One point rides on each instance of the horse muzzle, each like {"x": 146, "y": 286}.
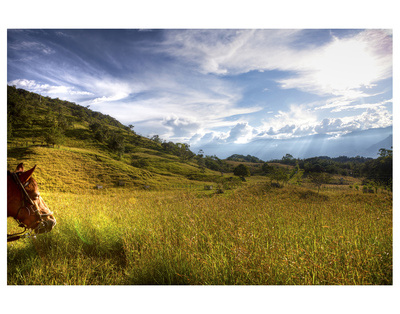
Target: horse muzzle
{"x": 45, "y": 226}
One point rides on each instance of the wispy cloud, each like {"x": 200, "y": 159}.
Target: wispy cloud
{"x": 234, "y": 51}
{"x": 198, "y": 85}
{"x": 32, "y": 46}
{"x": 46, "y": 89}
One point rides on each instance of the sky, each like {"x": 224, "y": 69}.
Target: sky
{"x": 211, "y": 87}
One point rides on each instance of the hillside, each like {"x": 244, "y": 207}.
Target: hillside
{"x": 76, "y": 148}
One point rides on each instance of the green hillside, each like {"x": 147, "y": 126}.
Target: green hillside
{"x": 76, "y": 148}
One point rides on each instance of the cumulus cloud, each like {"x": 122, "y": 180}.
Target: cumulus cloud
{"x": 289, "y": 124}
{"x": 328, "y": 126}
{"x": 240, "y": 133}
{"x": 378, "y": 117}
{"x": 298, "y": 116}
{"x": 181, "y": 127}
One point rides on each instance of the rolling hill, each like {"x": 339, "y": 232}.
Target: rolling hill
{"x": 77, "y": 149}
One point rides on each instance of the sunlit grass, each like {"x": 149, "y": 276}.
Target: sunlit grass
{"x": 252, "y": 236}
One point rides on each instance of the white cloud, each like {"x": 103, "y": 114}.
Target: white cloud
{"x": 33, "y": 46}
{"x": 340, "y": 67}
{"x": 174, "y": 106}
{"x": 345, "y": 65}
{"x": 241, "y": 133}
{"x": 329, "y": 126}
{"x": 378, "y": 117}
{"x": 373, "y": 117}
{"x": 361, "y": 106}
{"x": 114, "y": 97}
{"x": 299, "y": 116}
{"x": 46, "y": 89}
{"x": 213, "y": 137}
{"x": 234, "y": 51}
{"x": 180, "y": 128}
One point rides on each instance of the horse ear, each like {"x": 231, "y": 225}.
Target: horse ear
{"x": 20, "y": 168}
{"x": 25, "y": 176}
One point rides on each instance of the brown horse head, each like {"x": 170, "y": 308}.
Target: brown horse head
{"x": 24, "y": 202}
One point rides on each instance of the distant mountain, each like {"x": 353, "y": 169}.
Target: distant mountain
{"x": 386, "y": 143}
{"x": 361, "y": 143}
{"x": 242, "y": 158}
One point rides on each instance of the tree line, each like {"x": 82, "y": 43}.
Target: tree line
{"x": 320, "y": 170}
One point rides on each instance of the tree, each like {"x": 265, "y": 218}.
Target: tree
{"x": 53, "y": 136}
{"x": 116, "y": 143}
{"x": 279, "y": 174}
{"x": 267, "y": 168}
{"x": 319, "y": 178}
{"x": 202, "y": 164}
{"x": 241, "y": 171}
{"x": 169, "y": 147}
{"x": 288, "y": 159}
{"x": 184, "y": 152}
{"x": 380, "y": 170}
{"x": 385, "y": 152}
{"x": 214, "y": 163}
{"x": 156, "y": 138}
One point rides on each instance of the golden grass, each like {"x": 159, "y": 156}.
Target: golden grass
{"x": 255, "y": 235}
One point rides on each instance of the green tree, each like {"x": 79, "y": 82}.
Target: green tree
{"x": 288, "y": 159}
{"x": 266, "y": 168}
{"x": 380, "y": 170}
{"x": 116, "y": 143}
{"x": 53, "y": 136}
{"x": 385, "y": 152}
{"x": 320, "y": 178}
{"x": 156, "y": 138}
{"x": 184, "y": 152}
{"x": 280, "y": 175}
{"x": 241, "y": 171}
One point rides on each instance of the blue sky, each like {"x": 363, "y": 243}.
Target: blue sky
{"x": 214, "y": 86}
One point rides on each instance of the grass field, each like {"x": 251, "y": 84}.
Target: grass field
{"x": 253, "y": 235}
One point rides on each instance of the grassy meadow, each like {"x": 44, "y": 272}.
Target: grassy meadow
{"x": 252, "y": 235}
{"x": 153, "y": 222}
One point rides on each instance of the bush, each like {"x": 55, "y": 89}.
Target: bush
{"x": 241, "y": 171}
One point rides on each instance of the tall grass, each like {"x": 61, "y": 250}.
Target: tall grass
{"x": 252, "y": 236}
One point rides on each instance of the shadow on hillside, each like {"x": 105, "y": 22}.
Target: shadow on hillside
{"x": 79, "y": 134}
{"x": 20, "y": 153}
